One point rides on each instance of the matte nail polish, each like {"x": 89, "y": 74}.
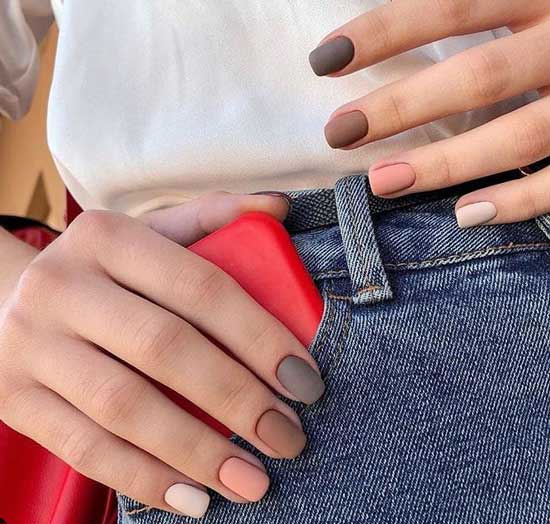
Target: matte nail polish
{"x": 279, "y": 194}
{"x": 475, "y": 214}
{"x": 300, "y": 379}
{"x": 281, "y": 434}
{"x": 346, "y": 129}
{"x": 390, "y": 179}
{"x": 332, "y": 56}
{"x": 244, "y": 479}
{"x": 186, "y": 499}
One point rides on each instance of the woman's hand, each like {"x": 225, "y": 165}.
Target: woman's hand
{"x": 112, "y": 282}
{"x": 475, "y": 78}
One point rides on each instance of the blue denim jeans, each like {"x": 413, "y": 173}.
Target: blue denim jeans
{"x": 434, "y": 346}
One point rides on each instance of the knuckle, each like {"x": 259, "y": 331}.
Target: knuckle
{"x": 190, "y": 452}
{"x": 379, "y": 27}
{"x": 13, "y": 396}
{"x": 201, "y": 288}
{"x": 117, "y": 398}
{"x": 399, "y": 110}
{"x": 41, "y": 282}
{"x": 93, "y": 224}
{"x": 239, "y": 395}
{"x": 79, "y": 450}
{"x": 530, "y": 139}
{"x": 456, "y": 13}
{"x": 487, "y": 73}
{"x": 158, "y": 341}
{"x": 529, "y": 203}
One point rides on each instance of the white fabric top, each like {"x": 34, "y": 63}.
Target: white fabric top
{"x": 157, "y": 102}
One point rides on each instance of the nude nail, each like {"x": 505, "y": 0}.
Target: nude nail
{"x": 475, "y": 214}
{"x": 186, "y": 499}
{"x": 281, "y": 434}
{"x": 332, "y": 56}
{"x": 300, "y": 379}
{"x": 244, "y": 479}
{"x": 390, "y": 179}
{"x": 346, "y": 129}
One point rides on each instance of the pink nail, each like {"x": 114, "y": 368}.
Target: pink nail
{"x": 386, "y": 180}
{"x": 244, "y": 479}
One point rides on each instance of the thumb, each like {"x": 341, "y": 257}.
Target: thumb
{"x": 197, "y": 218}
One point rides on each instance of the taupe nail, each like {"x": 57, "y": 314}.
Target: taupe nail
{"x": 300, "y": 379}
{"x": 281, "y": 434}
{"x": 332, "y": 56}
{"x": 346, "y": 129}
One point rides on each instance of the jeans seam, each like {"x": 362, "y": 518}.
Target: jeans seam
{"x": 468, "y": 255}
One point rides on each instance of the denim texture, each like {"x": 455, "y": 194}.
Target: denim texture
{"x": 435, "y": 350}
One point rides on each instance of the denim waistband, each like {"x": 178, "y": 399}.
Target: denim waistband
{"x": 371, "y": 236}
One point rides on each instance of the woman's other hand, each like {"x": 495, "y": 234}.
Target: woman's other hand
{"x": 478, "y": 77}
{"x": 120, "y": 284}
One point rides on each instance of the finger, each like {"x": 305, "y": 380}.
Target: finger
{"x": 188, "y": 222}
{"x": 475, "y": 78}
{"x": 393, "y": 28}
{"x": 513, "y": 201}
{"x": 515, "y": 139}
{"x": 129, "y": 406}
{"x": 209, "y": 299}
{"x": 42, "y": 415}
{"x": 174, "y": 353}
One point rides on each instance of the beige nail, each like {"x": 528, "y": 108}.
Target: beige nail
{"x": 475, "y": 214}
{"x": 187, "y": 499}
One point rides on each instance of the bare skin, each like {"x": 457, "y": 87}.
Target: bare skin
{"x": 129, "y": 287}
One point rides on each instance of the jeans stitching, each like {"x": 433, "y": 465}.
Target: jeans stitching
{"x": 468, "y": 255}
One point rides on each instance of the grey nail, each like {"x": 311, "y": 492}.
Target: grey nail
{"x": 300, "y": 379}
{"x": 275, "y": 194}
{"x": 332, "y": 56}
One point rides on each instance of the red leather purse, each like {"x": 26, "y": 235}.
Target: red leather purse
{"x": 38, "y": 488}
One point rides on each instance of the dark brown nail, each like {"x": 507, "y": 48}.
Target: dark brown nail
{"x": 332, "y": 56}
{"x": 300, "y": 379}
{"x": 275, "y": 194}
{"x": 281, "y": 434}
{"x": 346, "y": 129}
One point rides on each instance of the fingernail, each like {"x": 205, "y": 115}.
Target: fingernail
{"x": 300, "y": 379}
{"x": 475, "y": 214}
{"x": 391, "y": 179}
{"x": 332, "y": 56}
{"x": 244, "y": 479}
{"x": 346, "y": 129}
{"x": 187, "y": 499}
{"x": 281, "y": 434}
{"x": 275, "y": 194}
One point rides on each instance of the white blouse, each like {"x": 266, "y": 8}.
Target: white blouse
{"x": 154, "y": 103}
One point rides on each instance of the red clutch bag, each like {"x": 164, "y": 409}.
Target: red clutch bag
{"x": 38, "y": 488}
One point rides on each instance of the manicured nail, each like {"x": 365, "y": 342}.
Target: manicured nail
{"x": 275, "y": 194}
{"x": 332, "y": 56}
{"x": 281, "y": 434}
{"x": 475, "y": 214}
{"x": 300, "y": 379}
{"x": 346, "y": 129}
{"x": 244, "y": 479}
{"x": 187, "y": 499}
{"x": 386, "y": 180}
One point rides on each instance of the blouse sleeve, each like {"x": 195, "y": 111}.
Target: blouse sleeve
{"x": 19, "y": 54}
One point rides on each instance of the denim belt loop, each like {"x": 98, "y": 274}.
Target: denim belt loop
{"x": 544, "y": 224}
{"x": 368, "y": 277}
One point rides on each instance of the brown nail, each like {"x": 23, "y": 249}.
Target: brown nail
{"x": 281, "y": 434}
{"x": 300, "y": 379}
{"x": 275, "y": 194}
{"x": 346, "y": 129}
{"x": 332, "y": 56}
